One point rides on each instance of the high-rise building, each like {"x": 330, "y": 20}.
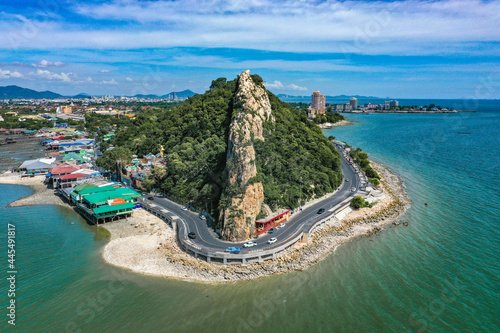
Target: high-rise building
{"x": 354, "y": 103}
{"x": 318, "y": 102}
{"x": 391, "y": 104}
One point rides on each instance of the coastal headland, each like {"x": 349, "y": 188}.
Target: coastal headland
{"x": 145, "y": 244}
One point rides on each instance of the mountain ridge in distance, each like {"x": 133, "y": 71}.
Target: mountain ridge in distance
{"x": 16, "y": 92}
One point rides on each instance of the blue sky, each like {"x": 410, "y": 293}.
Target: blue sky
{"x": 398, "y": 49}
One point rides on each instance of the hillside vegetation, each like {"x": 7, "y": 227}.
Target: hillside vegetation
{"x": 294, "y": 156}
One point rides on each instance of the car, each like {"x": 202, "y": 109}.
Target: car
{"x": 272, "y": 230}
{"x": 282, "y": 225}
{"x": 203, "y": 217}
{"x": 272, "y": 240}
{"x": 151, "y": 198}
{"x": 347, "y": 179}
{"x": 321, "y": 211}
{"x": 249, "y": 244}
{"x": 160, "y": 195}
{"x": 353, "y": 189}
{"x": 184, "y": 208}
{"x": 192, "y": 235}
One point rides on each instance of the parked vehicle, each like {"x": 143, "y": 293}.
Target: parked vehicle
{"x": 151, "y": 198}
{"x": 272, "y": 240}
{"x": 353, "y": 189}
{"x": 272, "y": 230}
{"x": 321, "y": 211}
{"x": 249, "y": 244}
{"x": 192, "y": 235}
{"x": 203, "y": 217}
{"x": 184, "y": 208}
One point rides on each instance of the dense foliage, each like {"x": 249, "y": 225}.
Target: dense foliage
{"x": 358, "y": 202}
{"x": 361, "y": 159}
{"x": 11, "y": 122}
{"x": 111, "y": 157}
{"x": 294, "y": 156}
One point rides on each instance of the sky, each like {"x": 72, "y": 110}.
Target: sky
{"x": 396, "y": 49}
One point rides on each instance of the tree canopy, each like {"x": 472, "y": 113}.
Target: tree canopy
{"x": 295, "y": 155}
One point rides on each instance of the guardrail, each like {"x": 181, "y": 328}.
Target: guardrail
{"x": 245, "y": 256}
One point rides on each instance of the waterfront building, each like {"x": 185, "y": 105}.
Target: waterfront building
{"x": 391, "y": 104}
{"x": 318, "y": 104}
{"x": 354, "y": 103}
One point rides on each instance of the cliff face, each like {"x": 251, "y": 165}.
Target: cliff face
{"x": 244, "y": 201}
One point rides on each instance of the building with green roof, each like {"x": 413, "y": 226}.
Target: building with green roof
{"x": 106, "y": 203}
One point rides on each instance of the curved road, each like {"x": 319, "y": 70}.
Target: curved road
{"x": 206, "y": 238}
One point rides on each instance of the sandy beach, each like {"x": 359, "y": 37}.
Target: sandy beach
{"x": 147, "y": 245}
{"x": 337, "y": 124}
{"x": 41, "y": 196}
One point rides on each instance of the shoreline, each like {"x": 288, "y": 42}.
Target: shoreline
{"x": 147, "y": 245}
{"x": 41, "y": 194}
{"x": 344, "y": 122}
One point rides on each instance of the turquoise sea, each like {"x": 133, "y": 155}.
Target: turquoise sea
{"x": 439, "y": 274}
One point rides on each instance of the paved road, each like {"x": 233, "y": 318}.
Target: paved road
{"x": 206, "y": 238}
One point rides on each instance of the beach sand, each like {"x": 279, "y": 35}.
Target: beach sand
{"x": 337, "y": 124}
{"x": 41, "y": 196}
{"x": 147, "y": 245}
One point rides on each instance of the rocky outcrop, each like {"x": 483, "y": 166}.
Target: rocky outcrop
{"x": 243, "y": 199}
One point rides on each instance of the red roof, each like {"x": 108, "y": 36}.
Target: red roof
{"x": 64, "y": 168}
{"x": 264, "y": 222}
{"x": 73, "y": 175}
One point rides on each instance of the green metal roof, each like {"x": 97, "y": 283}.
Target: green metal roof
{"x": 96, "y": 198}
{"x": 96, "y": 189}
{"x": 127, "y": 192}
{"x": 84, "y": 186}
{"x": 124, "y": 193}
{"x": 107, "y": 209}
{"x": 73, "y": 156}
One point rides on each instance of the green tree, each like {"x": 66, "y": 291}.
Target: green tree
{"x": 114, "y": 157}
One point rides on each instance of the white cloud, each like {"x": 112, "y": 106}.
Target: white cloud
{"x": 279, "y": 86}
{"x": 402, "y": 27}
{"x": 109, "y": 82}
{"x": 6, "y": 74}
{"x": 275, "y": 85}
{"x": 129, "y": 79}
{"x": 44, "y": 64}
{"x": 296, "y": 87}
{"x": 48, "y": 75}
{"x": 104, "y": 71}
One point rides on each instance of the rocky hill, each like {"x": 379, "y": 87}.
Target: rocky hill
{"x": 236, "y": 151}
{"x": 251, "y": 109}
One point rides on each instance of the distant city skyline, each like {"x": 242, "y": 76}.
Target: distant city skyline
{"x": 405, "y": 49}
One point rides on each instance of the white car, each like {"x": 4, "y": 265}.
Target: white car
{"x": 272, "y": 240}
{"x": 353, "y": 189}
{"x": 184, "y": 208}
{"x": 249, "y": 244}
{"x": 203, "y": 217}
{"x": 282, "y": 225}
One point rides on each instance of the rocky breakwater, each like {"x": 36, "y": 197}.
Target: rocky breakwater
{"x": 242, "y": 198}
